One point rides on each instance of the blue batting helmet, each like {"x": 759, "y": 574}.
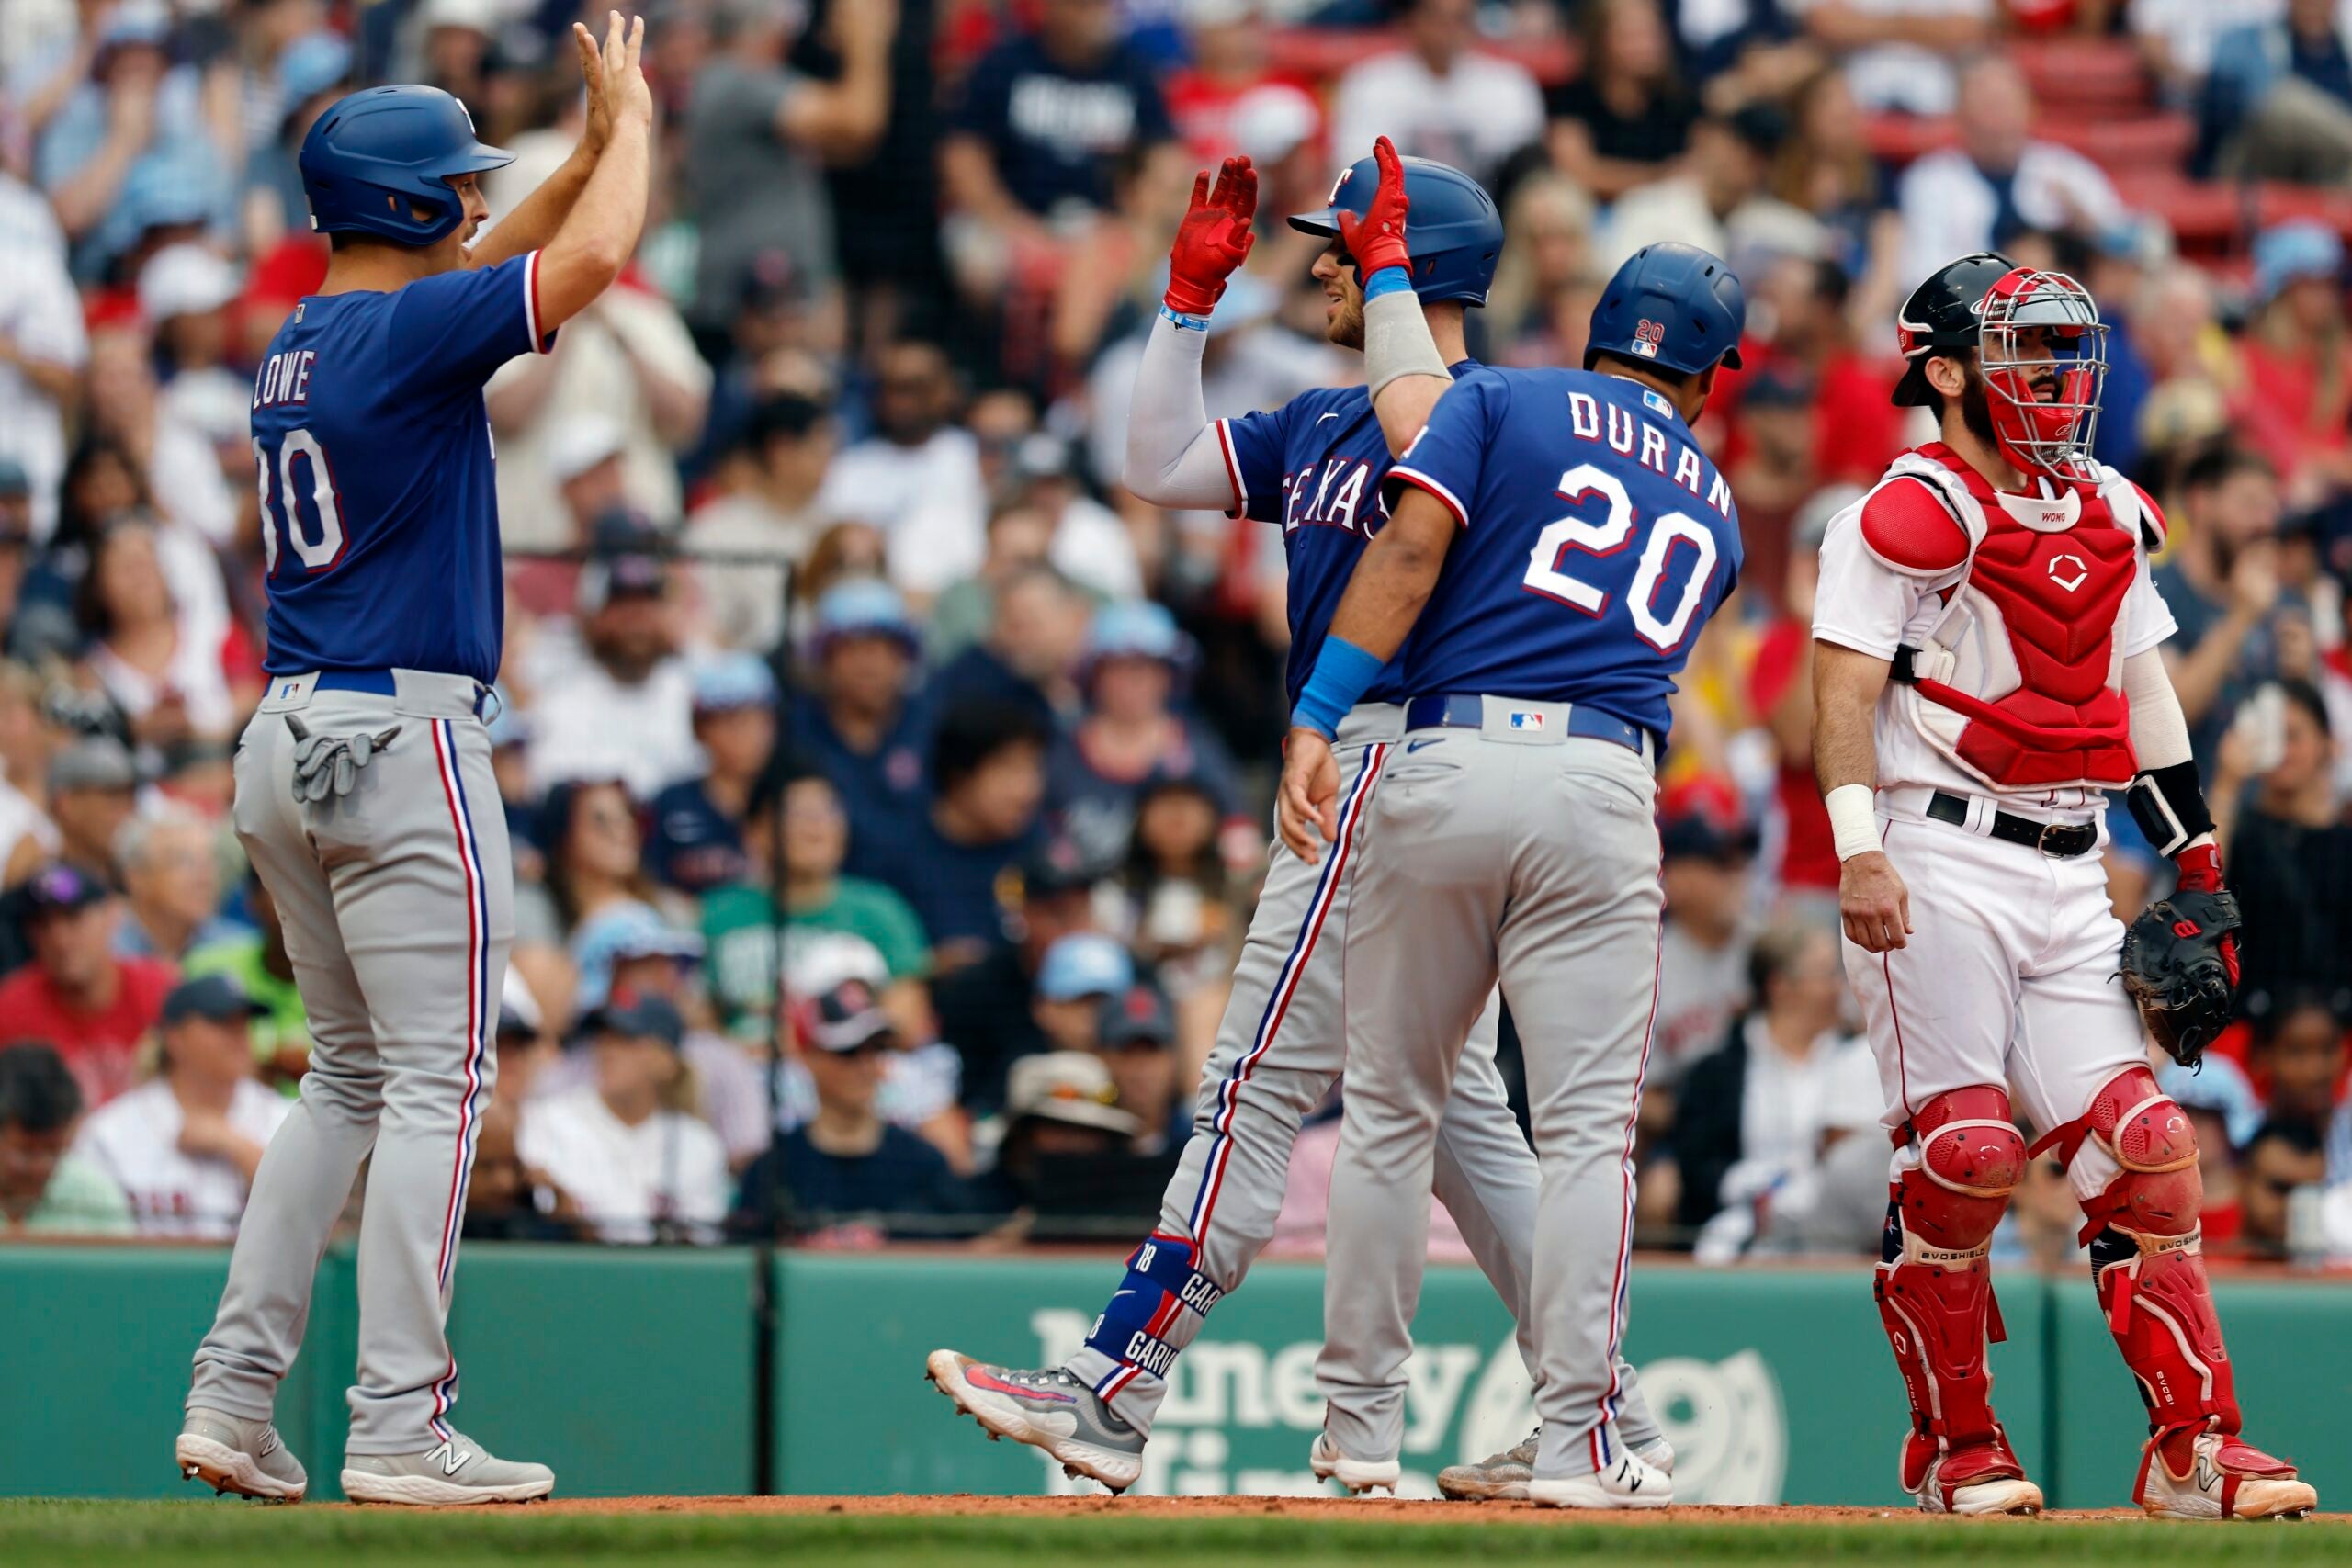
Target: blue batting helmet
{"x": 377, "y": 154}
{"x": 1671, "y": 305}
{"x": 1453, "y": 230}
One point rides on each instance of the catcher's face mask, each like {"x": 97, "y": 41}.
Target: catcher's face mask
{"x": 2043, "y": 350}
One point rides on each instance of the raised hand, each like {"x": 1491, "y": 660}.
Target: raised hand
{"x": 1377, "y": 238}
{"x": 623, "y": 89}
{"x": 1214, "y": 240}
{"x": 599, "y": 126}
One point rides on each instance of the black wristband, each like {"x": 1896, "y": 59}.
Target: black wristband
{"x": 2169, "y": 805}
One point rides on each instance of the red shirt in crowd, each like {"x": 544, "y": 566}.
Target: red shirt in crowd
{"x": 2278, "y": 410}
{"x": 102, "y": 1048}
{"x": 1809, "y": 855}
{"x": 1206, "y": 112}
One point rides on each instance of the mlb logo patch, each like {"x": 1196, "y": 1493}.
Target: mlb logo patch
{"x": 1527, "y": 721}
{"x": 1647, "y": 336}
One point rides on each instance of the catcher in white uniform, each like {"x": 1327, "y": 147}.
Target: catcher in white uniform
{"x": 1986, "y": 666}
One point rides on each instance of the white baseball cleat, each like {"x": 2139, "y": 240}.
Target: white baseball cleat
{"x": 1976, "y": 1478}
{"x": 449, "y": 1474}
{"x": 230, "y": 1454}
{"x": 1358, "y": 1475}
{"x": 1503, "y": 1477}
{"x": 2222, "y": 1477}
{"x": 1631, "y": 1483}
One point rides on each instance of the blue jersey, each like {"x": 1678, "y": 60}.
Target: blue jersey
{"x": 1315, "y": 466}
{"x": 379, "y": 513}
{"x": 1596, "y": 540}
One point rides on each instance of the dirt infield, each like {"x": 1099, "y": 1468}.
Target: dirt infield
{"x": 1366, "y": 1510}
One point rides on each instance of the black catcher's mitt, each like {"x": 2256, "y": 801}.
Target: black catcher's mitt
{"x": 2180, "y": 969}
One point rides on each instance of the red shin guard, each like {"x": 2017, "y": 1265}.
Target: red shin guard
{"x": 1934, "y": 1291}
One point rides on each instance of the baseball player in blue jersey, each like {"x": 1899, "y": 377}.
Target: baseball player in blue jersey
{"x": 1557, "y": 541}
{"x": 1315, "y": 466}
{"x": 364, "y": 793}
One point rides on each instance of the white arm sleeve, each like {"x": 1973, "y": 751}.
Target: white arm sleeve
{"x": 2159, "y": 729}
{"x": 1175, "y": 456}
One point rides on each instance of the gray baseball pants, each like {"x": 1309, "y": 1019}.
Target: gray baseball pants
{"x": 1522, "y": 853}
{"x": 398, "y": 901}
{"x": 1279, "y": 1049}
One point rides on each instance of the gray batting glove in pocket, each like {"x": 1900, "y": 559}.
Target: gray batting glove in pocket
{"x": 327, "y": 765}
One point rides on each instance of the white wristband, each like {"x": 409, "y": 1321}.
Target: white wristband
{"x": 1853, "y": 819}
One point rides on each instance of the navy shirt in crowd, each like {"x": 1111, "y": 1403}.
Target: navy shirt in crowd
{"x": 1057, "y": 131}
{"x": 952, "y": 887}
{"x": 885, "y": 792}
{"x": 694, "y": 846}
{"x": 1098, "y": 811}
{"x": 904, "y": 1175}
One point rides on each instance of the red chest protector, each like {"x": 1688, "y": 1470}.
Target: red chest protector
{"x": 2024, "y": 667}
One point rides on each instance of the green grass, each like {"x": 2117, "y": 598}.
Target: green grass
{"x": 198, "y": 1535}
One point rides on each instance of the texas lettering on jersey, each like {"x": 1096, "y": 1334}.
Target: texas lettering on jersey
{"x": 1315, "y": 466}
{"x": 1339, "y": 493}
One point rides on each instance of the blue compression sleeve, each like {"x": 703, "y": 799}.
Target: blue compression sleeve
{"x": 1342, "y": 673}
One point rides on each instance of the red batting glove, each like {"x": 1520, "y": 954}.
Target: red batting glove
{"x": 2200, "y": 868}
{"x": 1377, "y": 238}
{"x": 1214, "y": 240}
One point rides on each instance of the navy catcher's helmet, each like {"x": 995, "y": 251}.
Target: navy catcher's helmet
{"x": 379, "y": 153}
{"x": 1671, "y": 305}
{"x": 1944, "y": 315}
{"x": 1453, "y": 230}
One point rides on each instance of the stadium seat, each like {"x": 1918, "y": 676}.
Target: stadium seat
{"x": 2129, "y": 150}
{"x": 1899, "y": 138}
{"x": 2279, "y": 203}
{"x": 2082, "y": 78}
{"x": 2206, "y": 217}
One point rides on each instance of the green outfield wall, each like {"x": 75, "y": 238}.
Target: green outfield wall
{"x": 633, "y": 1373}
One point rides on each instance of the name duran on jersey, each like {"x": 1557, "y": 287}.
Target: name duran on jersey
{"x": 1616, "y": 427}
{"x": 1597, "y": 539}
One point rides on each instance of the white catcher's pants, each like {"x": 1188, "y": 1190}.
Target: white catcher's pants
{"x": 2008, "y": 978}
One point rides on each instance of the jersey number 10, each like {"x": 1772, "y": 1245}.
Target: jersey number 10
{"x": 316, "y": 555}
{"x": 1609, "y": 536}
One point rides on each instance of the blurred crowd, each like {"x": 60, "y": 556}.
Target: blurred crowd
{"x": 837, "y": 653}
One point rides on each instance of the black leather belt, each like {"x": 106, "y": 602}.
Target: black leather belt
{"x": 2063, "y": 840}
